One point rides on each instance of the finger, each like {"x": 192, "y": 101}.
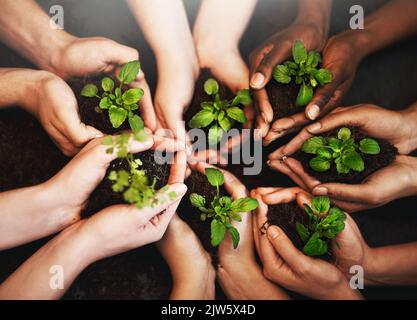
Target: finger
{"x": 250, "y": 116}
{"x": 298, "y": 169}
{"x": 265, "y": 190}
{"x": 293, "y": 146}
{"x": 163, "y": 143}
{"x": 303, "y": 198}
{"x": 346, "y": 192}
{"x": 283, "y": 168}
{"x": 286, "y": 249}
{"x": 116, "y": 53}
{"x": 281, "y": 196}
{"x": 262, "y": 127}
{"x": 263, "y": 72}
{"x": 178, "y": 168}
{"x": 264, "y": 108}
{"x": 325, "y": 97}
{"x": 148, "y": 213}
{"x": 294, "y": 121}
{"x": 147, "y": 109}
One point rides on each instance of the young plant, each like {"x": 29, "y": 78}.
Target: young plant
{"x": 325, "y": 223}
{"x": 303, "y": 69}
{"x": 121, "y": 104}
{"x": 342, "y": 150}
{"x": 133, "y": 183}
{"x": 220, "y": 115}
{"x": 222, "y": 210}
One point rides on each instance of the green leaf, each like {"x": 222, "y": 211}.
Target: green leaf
{"x": 324, "y": 153}
{"x": 302, "y": 232}
{"x": 117, "y": 116}
{"x": 118, "y": 92}
{"x": 105, "y": 103}
{"x": 315, "y": 246}
{"x": 214, "y": 176}
{"x": 132, "y": 95}
{"x": 218, "y": 231}
{"x": 107, "y": 84}
{"x": 201, "y": 120}
{"x": 335, "y": 144}
{"x": 211, "y": 87}
{"x": 312, "y": 145}
{"x": 89, "y": 91}
{"x": 215, "y": 134}
{"x": 244, "y": 205}
{"x": 197, "y": 200}
{"x": 235, "y": 236}
{"x": 369, "y": 146}
{"x": 128, "y": 72}
{"x": 136, "y": 123}
{"x": 341, "y": 168}
{"x": 313, "y": 59}
{"x": 237, "y": 114}
{"x": 108, "y": 140}
{"x": 354, "y": 161}
{"x": 225, "y": 123}
{"x": 299, "y": 52}
{"x": 320, "y": 164}
{"x": 324, "y": 76}
{"x": 320, "y": 204}
{"x": 244, "y": 97}
{"x": 304, "y": 95}
{"x": 344, "y": 134}
{"x": 281, "y": 74}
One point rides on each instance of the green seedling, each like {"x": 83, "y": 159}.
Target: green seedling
{"x": 325, "y": 223}
{"x": 134, "y": 184}
{"x": 121, "y": 104}
{"x": 303, "y": 69}
{"x": 220, "y": 115}
{"x": 341, "y": 150}
{"x": 222, "y": 210}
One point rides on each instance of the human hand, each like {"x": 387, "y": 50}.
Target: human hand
{"x": 286, "y": 265}
{"x": 80, "y": 57}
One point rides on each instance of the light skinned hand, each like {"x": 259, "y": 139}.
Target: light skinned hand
{"x": 286, "y": 265}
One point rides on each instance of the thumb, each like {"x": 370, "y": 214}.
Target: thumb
{"x": 286, "y": 249}
{"x": 116, "y": 53}
{"x": 346, "y": 192}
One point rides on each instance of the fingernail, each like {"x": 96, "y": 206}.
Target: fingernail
{"x": 99, "y": 135}
{"x": 273, "y": 232}
{"x": 257, "y": 80}
{"x": 284, "y": 157}
{"x": 313, "y": 111}
{"x": 180, "y": 189}
{"x": 320, "y": 191}
{"x": 314, "y": 128}
{"x": 269, "y": 162}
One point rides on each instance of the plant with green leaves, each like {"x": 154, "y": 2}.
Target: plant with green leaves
{"x": 220, "y": 115}
{"x": 304, "y": 70}
{"x": 121, "y": 104}
{"x": 325, "y": 223}
{"x": 342, "y": 150}
{"x": 133, "y": 183}
{"x": 221, "y": 210}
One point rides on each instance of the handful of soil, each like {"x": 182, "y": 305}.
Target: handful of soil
{"x": 373, "y": 162}
{"x": 282, "y": 98}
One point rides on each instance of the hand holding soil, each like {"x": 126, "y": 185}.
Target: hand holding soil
{"x": 284, "y": 264}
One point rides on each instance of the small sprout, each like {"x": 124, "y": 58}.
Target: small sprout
{"x": 121, "y": 105}
{"x": 303, "y": 69}
{"x": 343, "y": 151}
{"x": 133, "y": 183}
{"x": 325, "y": 222}
{"x": 222, "y": 210}
{"x": 220, "y": 114}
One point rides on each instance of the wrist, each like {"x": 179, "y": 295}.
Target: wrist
{"x": 317, "y": 14}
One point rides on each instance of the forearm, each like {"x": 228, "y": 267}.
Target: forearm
{"x": 317, "y": 13}
{"x": 392, "y": 265}
{"x": 209, "y": 35}
{"x": 30, "y": 213}
{"x": 61, "y": 259}
{"x": 25, "y": 27}
{"x": 166, "y": 29}
{"x": 391, "y": 23}
{"x": 410, "y": 120}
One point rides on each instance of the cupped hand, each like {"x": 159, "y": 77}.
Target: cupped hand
{"x": 285, "y": 265}
{"x": 274, "y": 51}
{"x": 81, "y": 57}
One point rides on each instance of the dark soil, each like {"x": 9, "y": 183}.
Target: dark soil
{"x": 201, "y": 96}
{"x": 197, "y": 183}
{"x": 372, "y": 162}
{"x": 282, "y": 98}
{"x": 285, "y": 216}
